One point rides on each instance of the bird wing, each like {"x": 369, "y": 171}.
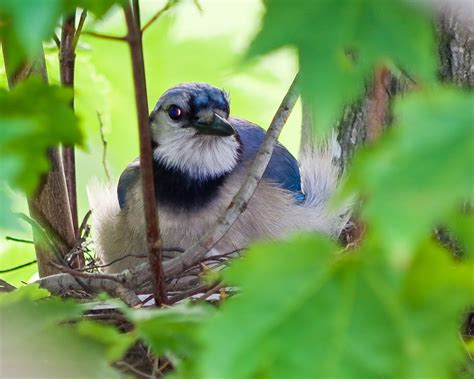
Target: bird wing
{"x": 127, "y": 180}
{"x": 282, "y": 170}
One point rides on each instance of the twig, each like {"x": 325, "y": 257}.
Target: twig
{"x": 155, "y": 256}
{"x": 128, "y": 366}
{"x": 104, "y": 36}
{"x": 57, "y": 41}
{"x": 113, "y": 285}
{"x": 18, "y": 267}
{"x": 114, "y": 261}
{"x": 80, "y": 25}
{"x": 239, "y": 203}
{"x": 104, "y": 146}
{"x": 43, "y": 236}
{"x": 210, "y": 292}
{"x": 83, "y": 225}
{"x": 14, "y": 239}
{"x": 168, "y": 5}
{"x": 6, "y": 287}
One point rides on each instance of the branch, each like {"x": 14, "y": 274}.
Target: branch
{"x": 67, "y": 57}
{"x": 18, "y": 267}
{"x": 167, "y": 6}
{"x": 239, "y": 203}
{"x": 80, "y": 25}
{"x": 104, "y": 146}
{"x": 104, "y": 36}
{"x": 155, "y": 256}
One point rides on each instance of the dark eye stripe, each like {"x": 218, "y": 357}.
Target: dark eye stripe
{"x": 174, "y": 112}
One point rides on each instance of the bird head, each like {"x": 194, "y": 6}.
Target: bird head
{"x": 191, "y": 131}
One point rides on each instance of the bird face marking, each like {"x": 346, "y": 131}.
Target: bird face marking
{"x": 191, "y": 131}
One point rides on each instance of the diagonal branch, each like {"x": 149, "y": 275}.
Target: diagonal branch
{"x": 168, "y": 5}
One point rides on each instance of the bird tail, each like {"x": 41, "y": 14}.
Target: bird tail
{"x": 320, "y": 177}
{"x": 105, "y": 215}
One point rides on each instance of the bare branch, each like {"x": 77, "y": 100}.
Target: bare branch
{"x": 168, "y": 5}
{"x": 80, "y": 25}
{"x": 104, "y": 36}
{"x": 104, "y": 146}
{"x": 6, "y": 287}
{"x": 18, "y": 267}
{"x": 14, "y": 239}
{"x": 154, "y": 245}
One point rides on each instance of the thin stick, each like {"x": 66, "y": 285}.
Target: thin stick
{"x": 239, "y": 203}
{"x": 104, "y": 146}
{"x": 6, "y": 287}
{"x": 104, "y": 36}
{"x": 18, "y": 267}
{"x": 168, "y": 5}
{"x": 155, "y": 255}
{"x": 14, "y": 239}
{"x": 80, "y": 25}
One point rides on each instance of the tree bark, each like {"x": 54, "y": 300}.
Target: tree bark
{"x": 49, "y": 205}
{"x": 456, "y": 47}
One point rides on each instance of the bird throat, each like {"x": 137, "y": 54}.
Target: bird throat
{"x": 179, "y": 190}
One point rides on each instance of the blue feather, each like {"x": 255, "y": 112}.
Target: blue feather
{"x": 282, "y": 170}
{"x": 127, "y": 180}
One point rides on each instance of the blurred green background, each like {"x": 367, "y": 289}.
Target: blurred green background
{"x": 184, "y": 44}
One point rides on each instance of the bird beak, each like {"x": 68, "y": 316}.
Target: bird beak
{"x": 218, "y": 126}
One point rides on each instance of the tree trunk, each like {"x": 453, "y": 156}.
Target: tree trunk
{"x": 49, "y": 205}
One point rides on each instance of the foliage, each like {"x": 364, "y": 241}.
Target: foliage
{"x": 34, "y": 117}
{"x": 310, "y": 312}
{"x": 423, "y": 166}
{"x": 391, "y": 307}
{"x": 33, "y": 344}
{"x": 25, "y": 37}
{"x": 341, "y": 42}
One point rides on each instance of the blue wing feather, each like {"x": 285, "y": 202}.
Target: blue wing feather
{"x": 127, "y": 180}
{"x": 282, "y": 170}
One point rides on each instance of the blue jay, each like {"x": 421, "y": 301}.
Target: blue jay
{"x": 201, "y": 156}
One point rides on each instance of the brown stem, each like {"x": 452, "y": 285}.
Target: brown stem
{"x": 167, "y": 6}
{"x": 134, "y": 38}
{"x": 67, "y": 57}
{"x": 104, "y": 36}
{"x": 380, "y": 103}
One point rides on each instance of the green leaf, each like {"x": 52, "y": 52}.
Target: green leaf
{"x": 422, "y": 170}
{"x": 116, "y": 343}
{"x": 33, "y": 344}
{"x": 34, "y": 117}
{"x": 341, "y": 42}
{"x": 98, "y": 8}
{"x": 171, "y": 330}
{"x": 306, "y": 312}
{"x": 26, "y": 24}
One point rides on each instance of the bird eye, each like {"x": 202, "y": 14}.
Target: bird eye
{"x": 174, "y": 112}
